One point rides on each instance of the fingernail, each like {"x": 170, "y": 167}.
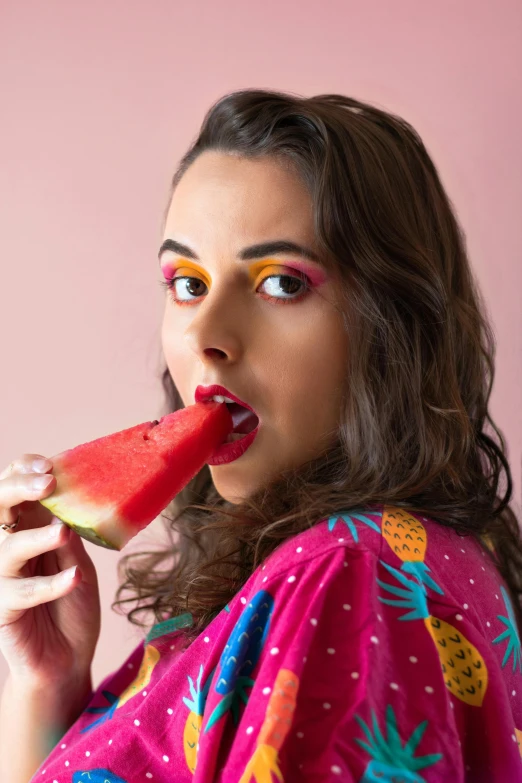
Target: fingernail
{"x": 68, "y": 576}
{"x": 41, "y": 482}
{"x": 41, "y": 465}
{"x": 55, "y": 529}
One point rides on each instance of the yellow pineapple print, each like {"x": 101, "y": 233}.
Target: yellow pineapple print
{"x": 196, "y": 705}
{"x": 407, "y": 537}
{"x": 149, "y": 661}
{"x": 464, "y": 668}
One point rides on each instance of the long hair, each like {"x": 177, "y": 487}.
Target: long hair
{"x": 414, "y": 429}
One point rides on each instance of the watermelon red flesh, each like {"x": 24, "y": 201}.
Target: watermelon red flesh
{"x": 111, "y": 488}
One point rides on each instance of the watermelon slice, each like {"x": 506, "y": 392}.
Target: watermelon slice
{"x": 111, "y": 488}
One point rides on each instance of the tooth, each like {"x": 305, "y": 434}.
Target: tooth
{"x": 218, "y": 398}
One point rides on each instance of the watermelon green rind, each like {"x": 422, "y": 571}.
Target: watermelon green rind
{"x": 111, "y": 488}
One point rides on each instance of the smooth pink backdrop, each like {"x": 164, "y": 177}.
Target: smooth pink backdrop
{"x": 99, "y": 100}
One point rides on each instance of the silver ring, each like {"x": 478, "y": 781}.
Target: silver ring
{"x": 12, "y": 526}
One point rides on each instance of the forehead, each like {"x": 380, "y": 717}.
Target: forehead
{"x": 255, "y": 199}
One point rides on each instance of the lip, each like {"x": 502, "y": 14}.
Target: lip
{"x": 228, "y": 452}
{"x": 205, "y": 392}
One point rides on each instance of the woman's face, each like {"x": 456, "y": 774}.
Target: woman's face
{"x": 251, "y": 325}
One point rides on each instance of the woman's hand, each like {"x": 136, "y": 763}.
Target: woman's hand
{"x": 49, "y": 620}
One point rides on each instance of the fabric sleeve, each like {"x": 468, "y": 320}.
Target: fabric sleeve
{"x": 340, "y": 690}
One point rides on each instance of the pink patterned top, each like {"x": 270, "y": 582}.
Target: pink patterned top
{"x": 375, "y": 646}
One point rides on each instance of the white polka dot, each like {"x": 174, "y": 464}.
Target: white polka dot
{"x": 130, "y": 665}
{"x": 347, "y": 607}
{"x": 110, "y": 742}
{"x": 394, "y": 686}
{"x": 321, "y": 584}
{"x": 326, "y": 705}
{"x": 265, "y": 578}
{"x": 172, "y": 646}
{"x": 148, "y": 774}
{"x": 355, "y": 675}
{"x": 87, "y": 752}
{"x": 165, "y": 758}
{"x": 513, "y": 738}
{"x": 66, "y": 763}
{"x": 513, "y": 693}
{"x": 250, "y": 729}
{"x": 340, "y": 540}
{"x": 452, "y": 705}
{"x": 496, "y": 596}
{"x": 206, "y": 639}
{"x": 465, "y": 606}
{"x": 243, "y": 599}
{"x": 170, "y": 710}
{"x": 266, "y": 691}
{"x": 136, "y": 723}
{"x": 144, "y": 693}
{"x": 483, "y": 568}
{"x": 336, "y": 770}
{"x": 379, "y": 618}
{"x": 274, "y": 650}
{"x": 345, "y": 564}
{"x": 305, "y": 659}
{"x": 428, "y": 689}
{"x": 299, "y": 734}
{"x": 488, "y": 623}
{"x": 63, "y": 746}
{"x": 313, "y": 621}
{"x": 472, "y": 581}
{"x": 458, "y": 617}
{"x": 447, "y": 558}
{"x": 462, "y": 550}
{"x": 263, "y": 568}
{"x": 299, "y": 550}
{"x": 291, "y": 578}
{"x": 413, "y": 659}
{"x": 374, "y": 639}
{"x": 330, "y": 651}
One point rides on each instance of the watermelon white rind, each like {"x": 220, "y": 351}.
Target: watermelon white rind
{"x": 109, "y": 489}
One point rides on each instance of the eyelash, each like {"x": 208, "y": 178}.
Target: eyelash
{"x": 169, "y": 286}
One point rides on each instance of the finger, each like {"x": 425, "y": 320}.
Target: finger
{"x": 19, "y": 594}
{"x": 20, "y": 487}
{"x": 27, "y": 463}
{"x": 19, "y": 547}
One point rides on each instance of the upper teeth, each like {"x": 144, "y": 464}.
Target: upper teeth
{"x": 220, "y": 398}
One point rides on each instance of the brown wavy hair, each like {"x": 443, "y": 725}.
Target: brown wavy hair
{"x": 418, "y": 377}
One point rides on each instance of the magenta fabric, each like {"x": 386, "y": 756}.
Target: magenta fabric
{"x": 376, "y": 646}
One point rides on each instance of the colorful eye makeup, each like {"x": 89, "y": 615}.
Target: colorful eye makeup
{"x": 308, "y": 275}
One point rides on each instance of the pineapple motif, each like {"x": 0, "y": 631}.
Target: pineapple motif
{"x": 96, "y": 776}
{"x": 510, "y": 633}
{"x": 277, "y": 723}
{"x": 241, "y": 655}
{"x": 407, "y": 537}
{"x": 518, "y": 735}
{"x": 196, "y": 705}
{"x": 347, "y": 517}
{"x": 465, "y": 671}
{"x": 391, "y": 761}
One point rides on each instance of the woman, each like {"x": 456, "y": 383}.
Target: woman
{"x": 341, "y": 600}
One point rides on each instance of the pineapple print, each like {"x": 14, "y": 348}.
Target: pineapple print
{"x": 347, "y": 517}
{"x": 150, "y": 658}
{"x": 196, "y": 705}
{"x": 518, "y": 735}
{"x": 241, "y": 655}
{"x": 277, "y": 723}
{"x": 510, "y": 633}
{"x": 407, "y": 537}
{"x": 96, "y": 776}
{"x": 465, "y": 671}
{"x": 390, "y": 760}
{"x": 149, "y": 661}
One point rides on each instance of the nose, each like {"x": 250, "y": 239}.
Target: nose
{"x": 217, "y": 331}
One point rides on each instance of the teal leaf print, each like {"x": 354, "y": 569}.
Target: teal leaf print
{"x": 412, "y": 597}
{"x": 510, "y": 633}
{"x": 346, "y": 517}
{"x": 96, "y": 776}
{"x": 106, "y": 712}
{"x": 390, "y": 760}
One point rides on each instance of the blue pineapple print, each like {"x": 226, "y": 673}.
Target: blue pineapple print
{"x": 347, "y": 517}
{"x": 510, "y": 633}
{"x": 241, "y": 655}
{"x": 96, "y": 776}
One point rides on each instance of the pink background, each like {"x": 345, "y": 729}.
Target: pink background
{"x": 98, "y": 102}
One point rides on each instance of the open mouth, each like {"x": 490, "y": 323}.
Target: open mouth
{"x": 245, "y": 421}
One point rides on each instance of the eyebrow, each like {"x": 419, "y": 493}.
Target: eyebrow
{"x": 260, "y": 250}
